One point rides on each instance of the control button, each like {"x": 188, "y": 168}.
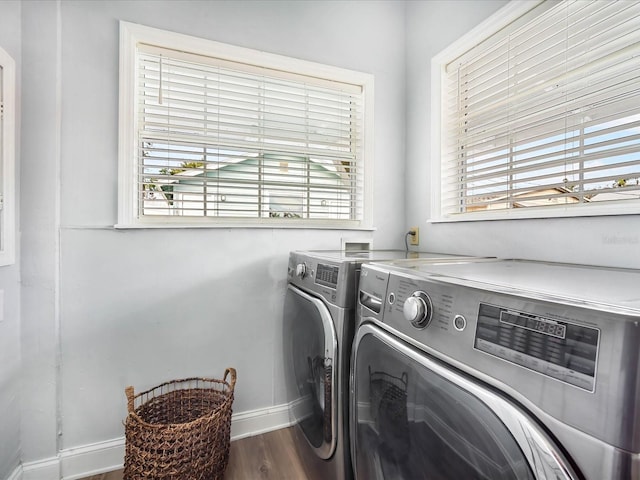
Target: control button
{"x": 391, "y": 298}
{"x": 459, "y": 323}
{"x": 301, "y": 270}
{"x": 418, "y": 309}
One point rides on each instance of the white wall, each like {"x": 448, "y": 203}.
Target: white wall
{"x": 39, "y": 164}
{"x": 100, "y": 309}
{"x": 117, "y": 308}
{"x": 610, "y": 241}
{"x": 10, "y": 373}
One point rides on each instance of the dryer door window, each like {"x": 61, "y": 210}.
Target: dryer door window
{"x": 311, "y": 349}
{"x": 414, "y": 417}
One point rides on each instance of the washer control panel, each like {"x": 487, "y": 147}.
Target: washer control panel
{"x": 327, "y": 275}
{"x": 334, "y": 281}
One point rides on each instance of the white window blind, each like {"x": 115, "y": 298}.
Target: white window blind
{"x": 218, "y": 139}
{"x": 545, "y": 113}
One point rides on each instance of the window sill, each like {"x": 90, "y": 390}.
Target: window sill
{"x": 544, "y": 213}
{"x": 276, "y": 226}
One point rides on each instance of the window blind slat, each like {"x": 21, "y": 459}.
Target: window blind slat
{"x": 243, "y": 70}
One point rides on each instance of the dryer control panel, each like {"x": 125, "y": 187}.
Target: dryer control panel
{"x": 551, "y": 346}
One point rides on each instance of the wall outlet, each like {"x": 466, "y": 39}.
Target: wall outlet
{"x": 414, "y": 238}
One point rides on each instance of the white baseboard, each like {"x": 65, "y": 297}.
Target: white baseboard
{"x": 255, "y": 422}
{"x": 86, "y": 460}
{"x": 16, "y": 474}
{"x": 93, "y": 459}
{"x": 47, "y": 469}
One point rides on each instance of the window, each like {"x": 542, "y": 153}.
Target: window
{"x": 213, "y": 134}
{"x": 542, "y": 118}
{"x": 7, "y": 158}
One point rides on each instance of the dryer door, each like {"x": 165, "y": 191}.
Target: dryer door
{"x": 414, "y": 417}
{"x": 311, "y": 350}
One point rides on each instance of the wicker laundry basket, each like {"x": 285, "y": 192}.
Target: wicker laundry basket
{"x": 179, "y": 429}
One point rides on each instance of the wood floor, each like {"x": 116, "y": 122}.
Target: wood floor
{"x": 271, "y": 456}
{"x": 266, "y": 457}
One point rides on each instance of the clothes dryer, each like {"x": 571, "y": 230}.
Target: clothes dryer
{"x": 502, "y": 370}
{"x": 318, "y": 329}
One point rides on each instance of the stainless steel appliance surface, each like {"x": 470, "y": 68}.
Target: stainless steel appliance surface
{"x": 318, "y": 328}
{"x": 505, "y": 369}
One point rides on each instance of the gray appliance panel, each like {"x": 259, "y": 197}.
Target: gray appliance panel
{"x": 310, "y": 327}
{"x": 596, "y": 287}
{"x": 602, "y": 405}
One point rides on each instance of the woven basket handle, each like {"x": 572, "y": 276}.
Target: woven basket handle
{"x": 130, "y": 397}
{"x": 231, "y": 371}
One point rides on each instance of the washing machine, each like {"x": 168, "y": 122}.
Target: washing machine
{"x": 318, "y": 329}
{"x": 496, "y": 370}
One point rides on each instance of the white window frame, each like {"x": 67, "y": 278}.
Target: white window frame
{"x": 133, "y": 34}
{"x": 7, "y": 159}
{"x": 501, "y": 19}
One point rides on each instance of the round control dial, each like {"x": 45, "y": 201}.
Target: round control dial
{"x": 418, "y": 309}
{"x": 301, "y": 270}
